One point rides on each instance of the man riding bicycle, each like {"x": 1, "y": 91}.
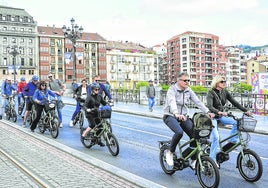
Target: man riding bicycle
{"x": 28, "y": 94}
{"x": 6, "y": 91}
{"x": 175, "y": 113}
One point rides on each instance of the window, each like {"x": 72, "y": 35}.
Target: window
{"x": 31, "y": 72}
{"x": 22, "y": 61}
{"x": 13, "y": 40}
{"x": 21, "y": 40}
{"x": 4, "y": 39}
{"x": 31, "y": 62}
{"x": 30, "y": 41}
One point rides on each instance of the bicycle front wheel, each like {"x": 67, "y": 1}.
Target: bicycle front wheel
{"x": 13, "y": 115}
{"x": 81, "y": 119}
{"x": 208, "y": 176}
{"x": 54, "y": 127}
{"x": 112, "y": 144}
{"x": 250, "y": 166}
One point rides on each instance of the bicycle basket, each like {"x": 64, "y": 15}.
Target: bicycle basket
{"x": 202, "y": 125}
{"x": 247, "y": 124}
{"x": 105, "y": 112}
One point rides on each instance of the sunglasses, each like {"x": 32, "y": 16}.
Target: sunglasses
{"x": 43, "y": 85}
{"x": 222, "y": 81}
{"x": 50, "y": 76}
{"x": 97, "y": 80}
{"x": 185, "y": 80}
{"x": 96, "y": 89}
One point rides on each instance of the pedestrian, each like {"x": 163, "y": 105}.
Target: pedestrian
{"x": 28, "y": 94}
{"x": 176, "y": 113}
{"x": 80, "y": 94}
{"x": 40, "y": 98}
{"x": 97, "y": 79}
{"x": 58, "y": 88}
{"x": 217, "y": 98}
{"x": 6, "y": 91}
{"x": 150, "y": 92}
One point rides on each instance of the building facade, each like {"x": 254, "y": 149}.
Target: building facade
{"x": 18, "y": 30}
{"x": 128, "y": 63}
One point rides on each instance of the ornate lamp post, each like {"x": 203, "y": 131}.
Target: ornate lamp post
{"x": 14, "y": 51}
{"x": 73, "y": 33}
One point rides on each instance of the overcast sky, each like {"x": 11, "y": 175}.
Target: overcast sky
{"x": 152, "y": 22}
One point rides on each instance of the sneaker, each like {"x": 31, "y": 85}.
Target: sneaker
{"x": 71, "y": 123}
{"x": 192, "y": 164}
{"x": 61, "y": 125}
{"x": 169, "y": 158}
{"x": 24, "y": 124}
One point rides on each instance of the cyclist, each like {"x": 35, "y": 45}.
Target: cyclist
{"x": 40, "y": 97}
{"x": 28, "y": 93}
{"x": 80, "y": 94}
{"x": 21, "y": 86}
{"x": 217, "y": 97}
{"x": 58, "y": 88}
{"x": 175, "y": 113}
{"x": 6, "y": 91}
{"x": 93, "y": 101}
{"x": 102, "y": 88}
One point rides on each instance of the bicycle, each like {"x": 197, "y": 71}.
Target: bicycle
{"x": 10, "y": 108}
{"x": 49, "y": 120}
{"x": 32, "y": 113}
{"x": 248, "y": 162}
{"x": 101, "y": 130}
{"x": 21, "y": 106}
{"x": 205, "y": 168}
{"x": 80, "y": 115}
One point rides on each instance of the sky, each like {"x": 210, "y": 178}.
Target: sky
{"x": 153, "y": 22}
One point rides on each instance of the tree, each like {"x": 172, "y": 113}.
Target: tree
{"x": 199, "y": 89}
{"x": 242, "y": 87}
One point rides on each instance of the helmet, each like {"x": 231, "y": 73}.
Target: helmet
{"x": 22, "y": 79}
{"x": 95, "y": 85}
{"x": 35, "y": 78}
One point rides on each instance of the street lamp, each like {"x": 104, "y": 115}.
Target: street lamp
{"x": 14, "y": 51}
{"x": 73, "y": 33}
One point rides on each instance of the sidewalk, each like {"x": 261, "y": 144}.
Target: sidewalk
{"x": 137, "y": 109}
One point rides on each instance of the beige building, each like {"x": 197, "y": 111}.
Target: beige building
{"x": 19, "y": 44}
{"x": 255, "y": 65}
{"x": 128, "y": 63}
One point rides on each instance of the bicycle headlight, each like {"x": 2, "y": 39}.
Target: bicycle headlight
{"x": 51, "y": 105}
{"x": 204, "y": 133}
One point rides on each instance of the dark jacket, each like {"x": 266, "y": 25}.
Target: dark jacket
{"x": 93, "y": 102}
{"x": 78, "y": 92}
{"x": 102, "y": 89}
{"x": 216, "y": 101}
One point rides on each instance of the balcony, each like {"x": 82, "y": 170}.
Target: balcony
{"x": 112, "y": 71}
{"x": 135, "y": 71}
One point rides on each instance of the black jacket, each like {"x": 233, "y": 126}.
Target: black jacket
{"x": 93, "y": 102}
{"x": 216, "y": 101}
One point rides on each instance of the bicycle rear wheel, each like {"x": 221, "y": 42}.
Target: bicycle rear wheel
{"x": 209, "y": 176}
{"x": 162, "y": 158}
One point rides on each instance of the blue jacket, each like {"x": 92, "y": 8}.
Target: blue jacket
{"x": 102, "y": 89}
{"x": 6, "y": 89}
{"x": 43, "y": 96}
{"x": 29, "y": 90}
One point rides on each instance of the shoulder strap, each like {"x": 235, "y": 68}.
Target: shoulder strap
{"x": 217, "y": 97}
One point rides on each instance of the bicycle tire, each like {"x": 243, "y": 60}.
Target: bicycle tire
{"x": 54, "y": 129}
{"x": 13, "y": 115}
{"x": 112, "y": 144}
{"x": 210, "y": 176}
{"x": 81, "y": 119}
{"x": 249, "y": 163}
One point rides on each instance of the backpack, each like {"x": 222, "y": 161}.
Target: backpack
{"x": 202, "y": 124}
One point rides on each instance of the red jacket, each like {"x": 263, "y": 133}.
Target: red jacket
{"x": 21, "y": 86}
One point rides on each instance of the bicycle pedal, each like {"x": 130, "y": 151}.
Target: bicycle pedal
{"x": 228, "y": 146}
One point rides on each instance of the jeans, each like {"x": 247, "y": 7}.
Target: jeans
{"x": 178, "y": 127}
{"x": 214, "y": 139}
{"x": 77, "y": 109}
{"x": 20, "y": 97}
{"x": 151, "y": 102}
{"x": 59, "y": 107}
{"x": 4, "y": 103}
{"x": 215, "y": 134}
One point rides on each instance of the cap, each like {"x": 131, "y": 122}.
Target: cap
{"x": 150, "y": 80}
{"x": 8, "y": 78}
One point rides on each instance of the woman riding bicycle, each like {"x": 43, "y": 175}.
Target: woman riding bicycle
{"x": 91, "y": 106}
{"x": 175, "y": 113}
{"x": 40, "y": 98}
{"x": 80, "y": 94}
{"x": 216, "y": 100}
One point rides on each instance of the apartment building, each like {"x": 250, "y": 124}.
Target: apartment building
{"x": 56, "y": 55}
{"x": 195, "y": 53}
{"x": 160, "y": 64}
{"x": 18, "y": 34}
{"x": 128, "y": 63}
{"x": 256, "y": 65}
